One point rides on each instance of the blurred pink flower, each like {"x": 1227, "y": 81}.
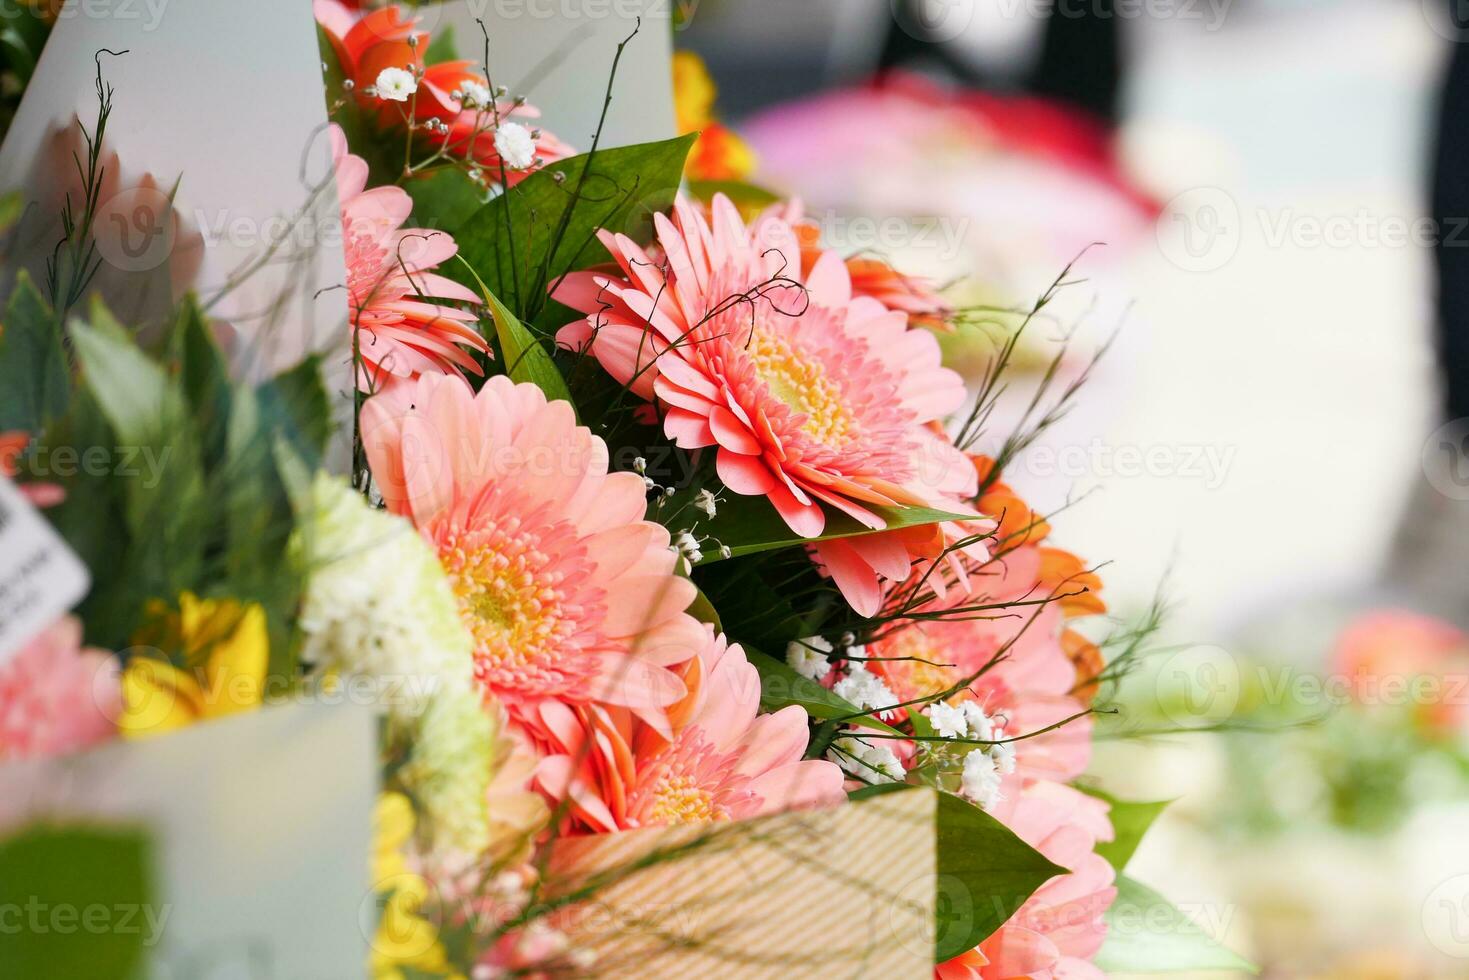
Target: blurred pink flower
{"x": 1385, "y": 655}
{"x": 56, "y": 697}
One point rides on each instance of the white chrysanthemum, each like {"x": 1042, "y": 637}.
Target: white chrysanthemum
{"x": 449, "y": 769}
{"x": 515, "y": 145}
{"x": 395, "y": 84}
{"x": 377, "y": 603}
{"x": 808, "y": 657}
{"x": 981, "y": 782}
{"x": 866, "y": 761}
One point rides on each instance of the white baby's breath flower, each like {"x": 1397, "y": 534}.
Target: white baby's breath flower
{"x": 473, "y": 95}
{"x": 980, "y": 724}
{"x": 395, "y": 84}
{"x": 1004, "y": 756}
{"x": 688, "y": 547}
{"x": 376, "y": 602}
{"x": 948, "y": 721}
{"x": 866, "y": 761}
{"x": 981, "y": 781}
{"x": 515, "y": 145}
{"x": 705, "y": 502}
{"x": 864, "y": 689}
{"x": 808, "y": 657}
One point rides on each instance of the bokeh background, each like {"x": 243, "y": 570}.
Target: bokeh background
{"x": 1264, "y": 443}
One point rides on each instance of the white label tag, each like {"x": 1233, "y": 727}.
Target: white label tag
{"x": 41, "y": 579}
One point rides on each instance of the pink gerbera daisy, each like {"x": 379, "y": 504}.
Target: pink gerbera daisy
{"x": 400, "y": 331}
{"x": 812, "y": 396}
{"x": 569, "y": 594}
{"x": 1025, "y": 674}
{"x": 56, "y": 697}
{"x": 724, "y": 761}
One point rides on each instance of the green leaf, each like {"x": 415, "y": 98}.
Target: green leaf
{"x": 743, "y": 195}
{"x": 703, "y": 610}
{"x": 781, "y": 686}
{"x": 443, "y": 197}
{"x": 205, "y": 378}
{"x": 442, "y": 48}
{"x": 296, "y": 405}
{"x": 525, "y": 358}
{"x": 12, "y": 205}
{"x": 1147, "y": 934}
{"x": 985, "y": 873}
{"x": 86, "y": 885}
{"x": 750, "y": 525}
{"x": 148, "y": 414}
{"x": 90, "y": 518}
{"x": 525, "y": 240}
{"x": 1130, "y": 821}
{"x": 34, "y": 382}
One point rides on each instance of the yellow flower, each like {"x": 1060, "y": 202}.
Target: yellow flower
{"x": 405, "y": 938}
{"x": 224, "y": 648}
{"x": 693, "y": 92}
{"x": 719, "y": 154}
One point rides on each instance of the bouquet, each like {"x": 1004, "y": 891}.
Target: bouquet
{"x": 649, "y": 514}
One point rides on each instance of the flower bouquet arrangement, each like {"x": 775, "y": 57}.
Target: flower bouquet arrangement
{"x": 647, "y": 519}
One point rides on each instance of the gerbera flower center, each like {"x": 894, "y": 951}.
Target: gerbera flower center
{"x": 366, "y": 278}
{"x": 511, "y": 597}
{"x": 801, "y": 382}
{"x": 679, "y": 799}
{"x": 926, "y": 675}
